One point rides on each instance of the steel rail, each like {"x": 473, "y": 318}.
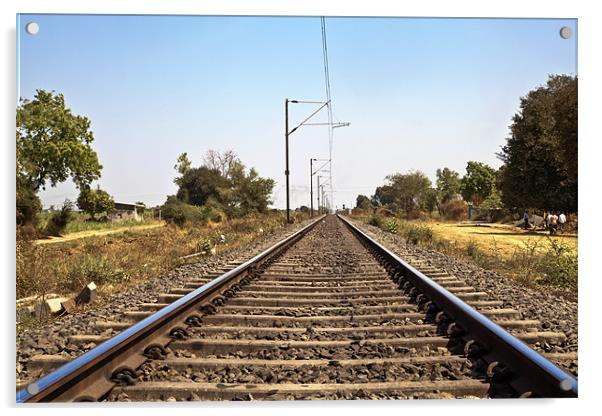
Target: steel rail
{"x": 533, "y": 372}
{"x": 92, "y": 362}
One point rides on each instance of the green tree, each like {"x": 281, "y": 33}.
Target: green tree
{"x": 95, "y": 201}
{"x": 383, "y": 195}
{"x": 540, "y": 156}
{"x": 478, "y": 182}
{"x": 411, "y": 190}
{"x": 183, "y": 165}
{"x": 198, "y": 185}
{"x": 363, "y": 202}
{"x": 449, "y": 184}
{"x": 248, "y": 191}
{"x": 53, "y": 144}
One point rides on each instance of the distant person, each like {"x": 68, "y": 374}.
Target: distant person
{"x": 526, "y": 220}
{"x": 546, "y": 219}
{"x": 561, "y": 221}
{"x": 553, "y": 223}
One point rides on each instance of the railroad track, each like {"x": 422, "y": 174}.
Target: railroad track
{"x": 326, "y": 313}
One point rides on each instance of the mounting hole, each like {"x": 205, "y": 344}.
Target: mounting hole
{"x": 32, "y": 28}
{"x": 33, "y": 388}
{"x": 566, "y": 384}
{"x": 566, "y": 32}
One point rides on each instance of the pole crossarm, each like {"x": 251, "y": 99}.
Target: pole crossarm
{"x": 308, "y": 117}
{"x": 333, "y": 125}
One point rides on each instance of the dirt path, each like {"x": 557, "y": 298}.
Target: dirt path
{"x": 96, "y": 233}
{"x": 506, "y": 238}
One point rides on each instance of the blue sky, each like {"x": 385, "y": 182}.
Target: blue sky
{"x": 419, "y": 93}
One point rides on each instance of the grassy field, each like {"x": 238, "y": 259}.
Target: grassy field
{"x": 501, "y": 238}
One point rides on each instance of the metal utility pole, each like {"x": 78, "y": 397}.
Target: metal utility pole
{"x": 311, "y": 187}
{"x": 319, "y": 212}
{"x": 286, "y": 171}
{"x": 288, "y": 132}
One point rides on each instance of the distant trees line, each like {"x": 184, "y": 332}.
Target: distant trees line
{"x": 539, "y": 169}
{"x": 54, "y": 145}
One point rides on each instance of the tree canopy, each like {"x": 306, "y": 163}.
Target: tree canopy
{"x": 94, "y": 201}
{"x": 362, "y": 201}
{"x": 53, "y": 144}
{"x": 449, "y": 184}
{"x": 410, "y": 191}
{"x": 478, "y": 183}
{"x": 540, "y": 156}
{"x": 223, "y": 180}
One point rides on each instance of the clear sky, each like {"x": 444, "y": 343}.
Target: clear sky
{"x": 420, "y": 93}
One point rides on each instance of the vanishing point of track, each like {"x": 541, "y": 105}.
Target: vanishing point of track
{"x": 326, "y": 313}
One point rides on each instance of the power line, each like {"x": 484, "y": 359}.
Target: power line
{"x": 328, "y": 97}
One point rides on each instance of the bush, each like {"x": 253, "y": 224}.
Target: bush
{"x": 58, "y": 220}
{"x": 454, "y": 210}
{"x": 376, "y": 221}
{"x": 392, "y": 226}
{"x": 180, "y": 213}
{"x": 417, "y": 234}
{"x": 560, "y": 265}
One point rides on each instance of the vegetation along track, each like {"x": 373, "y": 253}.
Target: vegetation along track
{"x": 327, "y": 313}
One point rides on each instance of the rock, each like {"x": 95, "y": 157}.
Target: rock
{"x": 69, "y": 305}
{"x": 50, "y": 307}
{"x": 88, "y": 294}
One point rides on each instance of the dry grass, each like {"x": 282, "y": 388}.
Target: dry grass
{"x": 115, "y": 261}
{"x": 503, "y": 239}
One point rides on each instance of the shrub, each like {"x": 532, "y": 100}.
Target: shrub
{"x": 179, "y": 213}
{"x": 418, "y": 234}
{"x": 392, "y": 226}
{"x": 58, "y": 220}
{"x": 559, "y": 265}
{"x": 376, "y": 221}
{"x": 454, "y": 210}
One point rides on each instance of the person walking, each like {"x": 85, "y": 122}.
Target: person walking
{"x": 553, "y": 223}
{"x": 561, "y": 221}
{"x": 526, "y": 219}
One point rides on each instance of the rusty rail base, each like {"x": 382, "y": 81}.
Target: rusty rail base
{"x": 91, "y": 375}
{"x": 530, "y": 373}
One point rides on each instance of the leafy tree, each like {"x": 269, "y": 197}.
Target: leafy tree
{"x": 383, "y": 195}
{"x": 449, "y": 184}
{"x": 53, "y": 144}
{"x": 249, "y": 192}
{"x": 183, "y": 165}
{"x": 224, "y": 183}
{"x": 95, "y": 201}
{"x": 540, "y": 156}
{"x": 478, "y": 182}
{"x": 363, "y": 202}
{"x": 197, "y": 185}
{"x": 411, "y": 190}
